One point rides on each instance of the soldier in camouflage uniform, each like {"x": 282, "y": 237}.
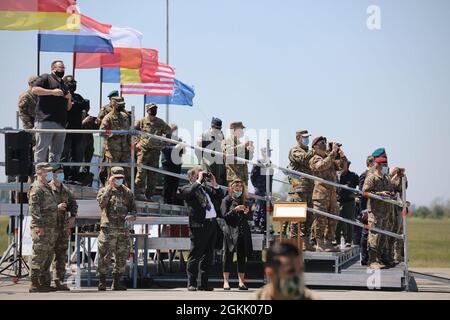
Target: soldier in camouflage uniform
{"x": 397, "y": 244}
{"x": 117, "y": 146}
{"x": 302, "y": 188}
{"x": 27, "y": 106}
{"x": 43, "y": 207}
{"x": 149, "y": 150}
{"x": 212, "y": 140}
{"x": 325, "y": 165}
{"x": 104, "y": 110}
{"x": 378, "y": 182}
{"x": 118, "y": 212}
{"x": 237, "y": 169}
{"x": 67, "y": 211}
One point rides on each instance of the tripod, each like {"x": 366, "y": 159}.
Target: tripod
{"x": 18, "y": 261}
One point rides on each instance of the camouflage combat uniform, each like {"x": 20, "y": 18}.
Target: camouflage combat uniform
{"x": 62, "y": 194}
{"x": 104, "y": 110}
{"x": 150, "y": 150}
{"x": 236, "y": 169}
{"x": 302, "y": 188}
{"x": 114, "y": 238}
{"x": 324, "y": 195}
{"x": 380, "y": 214}
{"x": 117, "y": 147}
{"x": 43, "y": 207}
{"x": 27, "y": 111}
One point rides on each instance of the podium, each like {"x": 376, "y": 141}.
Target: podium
{"x": 290, "y": 212}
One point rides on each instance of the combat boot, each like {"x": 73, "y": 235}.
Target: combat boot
{"x": 307, "y": 246}
{"x": 46, "y": 283}
{"x": 320, "y": 245}
{"x": 374, "y": 262}
{"x": 35, "y": 286}
{"x": 117, "y": 285}
{"x": 61, "y": 286}
{"x": 102, "y": 282}
{"x": 328, "y": 247}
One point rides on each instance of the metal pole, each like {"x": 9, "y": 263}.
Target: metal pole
{"x": 101, "y": 88}
{"x": 167, "y": 50}
{"x": 38, "y": 54}
{"x": 268, "y": 193}
{"x": 133, "y": 138}
{"x": 74, "y": 61}
{"x": 405, "y": 233}
{"x": 17, "y": 120}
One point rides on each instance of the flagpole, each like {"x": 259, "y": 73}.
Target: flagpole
{"x": 167, "y": 50}
{"x": 74, "y": 61}
{"x": 38, "y": 54}
{"x": 143, "y": 115}
{"x": 101, "y": 86}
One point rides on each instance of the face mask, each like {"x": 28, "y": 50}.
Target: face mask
{"x": 72, "y": 87}
{"x": 153, "y": 112}
{"x": 305, "y": 141}
{"x": 292, "y": 287}
{"x": 60, "y": 177}
{"x": 49, "y": 176}
{"x": 385, "y": 170}
{"x": 322, "y": 147}
{"x": 118, "y": 182}
{"x": 59, "y": 74}
{"x": 237, "y": 194}
{"x": 121, "y": 107}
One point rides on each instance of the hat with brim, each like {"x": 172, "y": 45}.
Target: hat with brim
{"x": 44, "y": 166}
{"x": 237, "y": 125}
{"x": 119, "y": 100}
{"x": 117, "y": 172}
{"x": 149, "y": 106}
{"x": 236, "y": 181}
{"x": 216, "y": 122}
{"x": 303, "y": 133}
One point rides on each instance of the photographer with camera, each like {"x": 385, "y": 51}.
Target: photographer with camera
{"x": 202, "y": 200}
{"x": 54, "y": 102}
{"x": 237, "y": 212}
{"x": 74, "y": 144}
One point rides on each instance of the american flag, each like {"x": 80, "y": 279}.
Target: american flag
{"x": 159, "y": 81}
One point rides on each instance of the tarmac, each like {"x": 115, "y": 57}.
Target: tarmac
{"x": 428, "y": 290}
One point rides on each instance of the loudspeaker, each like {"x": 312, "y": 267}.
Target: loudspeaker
{"x": 18, "y": 154}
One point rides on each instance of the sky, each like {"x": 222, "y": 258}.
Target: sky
{"x": 280, "y": 66}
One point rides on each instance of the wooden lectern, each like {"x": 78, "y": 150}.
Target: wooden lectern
{"x": 290, "y": 212}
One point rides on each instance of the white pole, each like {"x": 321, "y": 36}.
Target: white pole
{"x": 405, "y": 234}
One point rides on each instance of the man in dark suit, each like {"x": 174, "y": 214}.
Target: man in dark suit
{"x": 202, "y": 201}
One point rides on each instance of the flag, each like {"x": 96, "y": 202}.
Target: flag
{"x": 39, "y": 14}
{"x": 162, "y": 87}
{"x": 127, "y": 52}
{"x": 93, "y": 37}
{"x": 182, "y": 95}
{"x": 160, "y": 79}
{"x": 149, "y": 72}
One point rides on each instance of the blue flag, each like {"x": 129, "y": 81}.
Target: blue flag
{"x": 182, "y": 95}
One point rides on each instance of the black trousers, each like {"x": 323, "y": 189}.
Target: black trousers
{"x": 203, "y": 240}
{"x": 241, "y": 257}
{"x": 171, "y": 184}
{"x": 73, "y": 152}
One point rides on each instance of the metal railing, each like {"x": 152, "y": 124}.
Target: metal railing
{"x": 228, "y": 157}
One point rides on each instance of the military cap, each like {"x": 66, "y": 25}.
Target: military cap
{"x": 216, "y": 122}
{"x": 56, "y": 167}
{"x": 118, "y": 172}
{"x": 303, "y": 133}
{"x": 379, "y": 152}
{"x": 381, "y": 159}
{"x": 237, "y": 124}
{"x": 44, "y": 166}
{"x": 318, "y": 139}
{"x": 113, "y": 93}
{"x": 120, "y": 101}
{"x": 150, "y": 105}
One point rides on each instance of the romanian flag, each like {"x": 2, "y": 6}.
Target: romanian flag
{"x": 93, "y": 37}
{"x": 39, "y": 14}
{"x": 128, "y": 52}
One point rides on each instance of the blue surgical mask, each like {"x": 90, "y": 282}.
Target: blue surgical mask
{"x": 60, "y": 177}
{"x": 305, "y": 141}
{"x": 118, "y": 182}
{"x": 237, "y": 194}
{"x": 49, "y": 176}
{"x": 385, "y": 170}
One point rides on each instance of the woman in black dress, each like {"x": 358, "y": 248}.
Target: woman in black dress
{"x": 236, "y": 211}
